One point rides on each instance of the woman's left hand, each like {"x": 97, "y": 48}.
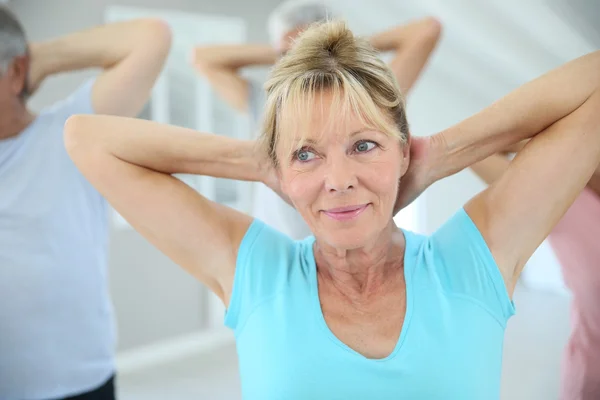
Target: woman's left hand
{"x": 419, "y": 175}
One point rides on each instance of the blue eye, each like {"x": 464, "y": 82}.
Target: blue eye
{"x": 304, "y": 155}
{"x": 365, "y": 146}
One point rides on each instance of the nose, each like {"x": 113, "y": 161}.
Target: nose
{"x": 340, "y": 175}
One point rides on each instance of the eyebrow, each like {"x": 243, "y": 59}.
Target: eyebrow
{"x": 313, "y": 142}
{"x": 361, "y": 131}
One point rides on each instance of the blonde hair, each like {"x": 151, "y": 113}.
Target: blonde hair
{"x": 327, "y": 57}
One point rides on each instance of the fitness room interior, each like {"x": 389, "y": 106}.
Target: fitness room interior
{"x": 172, "y": 342}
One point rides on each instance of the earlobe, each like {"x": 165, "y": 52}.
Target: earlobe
{"x": 405, "y": 158}
{"x": 282, "y": 183}
{"x": 405, "y": 165}
{"x": 18, "y": 72}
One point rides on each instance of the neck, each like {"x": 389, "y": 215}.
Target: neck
{"x": 15, "y": 121}
{"x": 363, "y": 271}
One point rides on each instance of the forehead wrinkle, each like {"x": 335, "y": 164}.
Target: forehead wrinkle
{"x": 304, "y": 108}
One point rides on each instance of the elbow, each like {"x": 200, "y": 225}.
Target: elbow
{"x": 200, "y": 64}
{"x": 203, "y": 59}
{"x": 74, "y": 135}
{"x": 159, "y": 29}
{"x": 158, "y": 33}
{"x": 161, "y": 32}
{"x": 432, "y": 29}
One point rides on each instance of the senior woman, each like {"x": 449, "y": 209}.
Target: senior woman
{"x": 362, "y": 309}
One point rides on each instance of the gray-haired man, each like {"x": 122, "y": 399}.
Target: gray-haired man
{"x": 56, "y": 322}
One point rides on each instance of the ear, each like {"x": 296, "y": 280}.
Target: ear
{"x": 405, "y": 155}
{"x": 17, "y": 73}
{"x": 282, "y": 183}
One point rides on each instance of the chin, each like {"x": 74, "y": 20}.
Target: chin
{"x": 350, "y": 238}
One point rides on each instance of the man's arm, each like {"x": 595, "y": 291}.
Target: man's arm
{"x": 412, "y": 44}
{"x": 221, "y": 64}
{"x": 132, "y": 55}
{"x": 492, "y": 168}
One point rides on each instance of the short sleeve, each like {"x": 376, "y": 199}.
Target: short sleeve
{"x": 52, "y": 118}
{"x": 50, "y": 133}
{"x": 49, "y": 125}
{"x": 264, "y": 259}
{"x": 465, "y": 265}
{"x": 78, "y": 102}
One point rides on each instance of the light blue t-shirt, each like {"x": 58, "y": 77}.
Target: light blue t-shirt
{"x": 56, "y": 321}
{"x": 450, "y": 346}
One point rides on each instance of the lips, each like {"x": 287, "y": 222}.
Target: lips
{"x": 345, "y": 213}
{"x": 345, "y": 209}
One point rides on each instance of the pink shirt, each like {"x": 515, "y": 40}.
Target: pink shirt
{"x": 576, "y": 243}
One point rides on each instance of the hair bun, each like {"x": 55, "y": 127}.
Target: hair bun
{"x": 327, "y": 41}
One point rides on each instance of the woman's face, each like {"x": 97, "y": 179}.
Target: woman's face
{"x": 344, "y": 180}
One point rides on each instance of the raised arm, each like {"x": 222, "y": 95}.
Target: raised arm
{"x": 412, "y": 45}
{"x": 221, "y": 66}
{"x": 493, "y": 167}
{"x": 559, "y": 112}
{"x": 130, "y": 163}
{"x": 131, "y": 54}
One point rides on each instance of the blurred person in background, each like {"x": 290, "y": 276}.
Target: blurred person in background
{"x": 57, "y": 334}
{"x": 412, "y": 45}
{"x": 575, "y": 243}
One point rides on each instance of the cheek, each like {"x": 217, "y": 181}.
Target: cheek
{"x": 382, "y": 179}
{"x": 6, "y": 97}
{"x": 301, "y": 186}
{"x": 4, "y": 87}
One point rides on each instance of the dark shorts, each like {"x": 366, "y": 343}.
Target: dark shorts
{"x": 104, "y": 392}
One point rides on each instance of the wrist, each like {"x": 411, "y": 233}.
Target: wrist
{"x": 39, "y": 66}
{"x": 440, "y": 159}
{"x": 451, "y": 152}
{"x": 43, "y": 59}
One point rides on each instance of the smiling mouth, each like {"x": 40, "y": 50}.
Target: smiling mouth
{"x": 345, "y": 213}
